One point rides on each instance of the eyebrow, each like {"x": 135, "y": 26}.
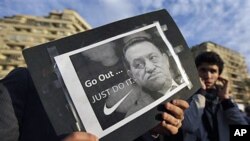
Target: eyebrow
{"x": 208, "y": 69}
{"x": 137, "y": 59}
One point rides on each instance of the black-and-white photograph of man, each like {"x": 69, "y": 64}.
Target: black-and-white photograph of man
{"x": 147, "y": 63}
{"x": 118, "y": 79}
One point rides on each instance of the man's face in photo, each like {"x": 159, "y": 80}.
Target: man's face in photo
{"x": 148, "y": 66}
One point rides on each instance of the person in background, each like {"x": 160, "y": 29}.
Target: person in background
{"x": 34, "y": 124}
{"x": 211, "y": 110}
{"x": 247, "y": 112}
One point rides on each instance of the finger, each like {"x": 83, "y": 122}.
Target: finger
{"x": 169, "y": 127}
{"x": 168, "y": 118}
{"x": 92, "y": 137}
{"x": 223, "y": 80}
{"x": 181, "y": 103}
{"x": 203, "y": 86}
{"x": 81, "y": 136}
{"x": 225, "y": 84}
{"x": 175, "y": 110}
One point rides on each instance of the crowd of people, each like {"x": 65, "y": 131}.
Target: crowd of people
{"x": 205, "y": 116}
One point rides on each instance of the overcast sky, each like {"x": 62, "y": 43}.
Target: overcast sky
{"x": 225, "y": 22}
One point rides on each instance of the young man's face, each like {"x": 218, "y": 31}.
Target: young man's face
{"x": 209, "y": 74}
{"x": 148, "y": 66}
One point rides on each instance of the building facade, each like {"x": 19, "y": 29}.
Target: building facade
{"x": 23, "y": 31}
{"x": 235, "y": 69}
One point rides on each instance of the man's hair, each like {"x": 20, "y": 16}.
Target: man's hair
{"x": 210, "y": 58}
{"x": 140, "y": 37}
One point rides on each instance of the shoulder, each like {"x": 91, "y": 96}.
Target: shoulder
{"x": 18, "y": 80}
{"x": 21, "y": 72}
{"x": 17, "y": 74}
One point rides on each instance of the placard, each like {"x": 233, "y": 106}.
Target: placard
{"x": 109, "y": 81}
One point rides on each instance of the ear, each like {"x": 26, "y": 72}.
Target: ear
{"x": 130, "y": 74}
{"x": 166, "y": 59}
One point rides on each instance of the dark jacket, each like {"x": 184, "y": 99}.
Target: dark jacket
{"x": 8, "y": 121}
{"x": 195, "y": 126}
{"x": 34, "y": 124}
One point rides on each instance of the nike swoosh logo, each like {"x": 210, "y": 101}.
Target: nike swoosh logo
{"x": 108, "y": 111}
